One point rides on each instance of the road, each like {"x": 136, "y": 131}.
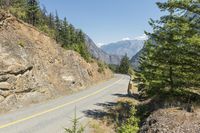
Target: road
{"x": 54, "y": 115}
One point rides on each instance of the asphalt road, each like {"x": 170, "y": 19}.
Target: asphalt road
{"x": 54, "y": 115}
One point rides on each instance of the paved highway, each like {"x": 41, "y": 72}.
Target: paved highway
{"x": 54, "y": 115}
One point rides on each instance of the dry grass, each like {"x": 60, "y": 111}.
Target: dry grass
{"x": 97, "y": 126}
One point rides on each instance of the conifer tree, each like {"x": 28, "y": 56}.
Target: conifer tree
{"x": 65, "y": 33}
{"x": 171, "y": 57}
{"x": 58, "y": 28}
{"x": 124, "y": 65}
{"x": 32, "y": 11}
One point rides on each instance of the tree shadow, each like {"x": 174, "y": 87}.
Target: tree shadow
{"x": 111, "y": 111}
{"x": 134, "y": 96}
{"x": 179, "y": 99}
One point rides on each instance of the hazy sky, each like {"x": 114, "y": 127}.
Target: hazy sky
{"x": 107, "y": 21}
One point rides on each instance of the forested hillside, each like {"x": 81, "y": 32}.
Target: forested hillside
{"x": 50, "y": 23}
{"x": 34, "y": 66}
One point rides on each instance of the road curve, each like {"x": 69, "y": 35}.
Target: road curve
{"x": 54, "y": 115}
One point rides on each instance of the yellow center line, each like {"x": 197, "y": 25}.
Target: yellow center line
{"x": 55, "y": 108}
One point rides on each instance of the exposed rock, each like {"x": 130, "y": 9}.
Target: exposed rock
{"x": 5, "y": 93}
{"x": 5, "y": 86}
{"x": 10, "y": 100}
{"x": 101, "y": 55}
{"x": 1, "y": 98}
{"x": 33, "y": 67}
{"x": 172, "y": 120}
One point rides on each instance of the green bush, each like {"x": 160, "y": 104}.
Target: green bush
{"x": 131, "y": 125}
{"x": 101, "y": 66}
{"x": 20, "y": 43}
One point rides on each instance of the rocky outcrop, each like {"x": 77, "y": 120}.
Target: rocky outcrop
{"x": 33, "y": 67}
{"x": 172, "y": 120}
{"x": 99, "y": 54}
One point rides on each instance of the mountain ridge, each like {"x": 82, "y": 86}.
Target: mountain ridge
{"x": 100, "y": 54}
{"x": 129, "y": 47}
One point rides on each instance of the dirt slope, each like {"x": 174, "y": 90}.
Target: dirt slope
{"x": 34, "y": 68}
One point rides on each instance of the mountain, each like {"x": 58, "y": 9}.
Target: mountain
{"x": 135, "y": 59}
{"x": 35, "y": 68}
{"x": 129, "y": 47}
{"x": 99, "y": 54}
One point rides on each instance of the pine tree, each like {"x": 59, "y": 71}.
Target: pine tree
{"x": 32, "y": 11}
{"x": 171, "y": 58}
{"x": 124, "y": 65}
{"x": 65, "y": 33}
{"x": 50, "y": 21}
{"x": 58, "y": 28}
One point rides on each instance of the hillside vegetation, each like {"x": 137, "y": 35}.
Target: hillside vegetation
{"x": 63, "y": 32}
{"x": 169, "y": 70}
{"x": 34, "y": 67}
{"x": 171, "y": 61}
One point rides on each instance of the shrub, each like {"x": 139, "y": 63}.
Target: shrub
{"x": 131, "y": 124}
{"x": 75, "y": 128}
{"x": 20, "y": 43}
{"x": 101, "y": 66}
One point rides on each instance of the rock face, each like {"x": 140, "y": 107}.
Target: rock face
{"x": 99, "y": 54}
{"x": 129, "y": 47}
{"x": 33, "y": 67}
{"x": 172, "y": 120}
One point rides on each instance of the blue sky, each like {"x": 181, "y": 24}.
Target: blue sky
{"x": 107, "y": 21}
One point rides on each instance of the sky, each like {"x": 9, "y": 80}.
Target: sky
{"x": 107, "y": 21}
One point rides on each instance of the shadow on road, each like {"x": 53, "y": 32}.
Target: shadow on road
{"x": 111, "y": 111}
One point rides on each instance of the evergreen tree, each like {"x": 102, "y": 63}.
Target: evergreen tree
{"x": 124, "y": 65}
{"x": 171, "y": 57}
{"x": 50, "y": 21}
{"x": 65, "y": 33}
{"x": 32, "y": 11}
{"x": 58, "y": 28}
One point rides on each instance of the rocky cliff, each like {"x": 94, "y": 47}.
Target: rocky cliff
{"x": 33, "y": 67}
{"x": 99, "y": 54}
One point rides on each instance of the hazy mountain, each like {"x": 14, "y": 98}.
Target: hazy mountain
{"x": 99, "y": 54}
{"x": 131, "y": 47}
{"x": 135, "y": 59}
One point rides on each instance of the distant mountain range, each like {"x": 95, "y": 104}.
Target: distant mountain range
{"x": 100, "y": 54}
{"x": 129, "y": 47}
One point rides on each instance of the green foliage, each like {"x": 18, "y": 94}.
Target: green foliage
{"x": 75, "y": 128}
{"x": 171, "y": 56}
{"x": 113, "y": 68}
{"x": 101, "y": 66}
{"x": 32, "y": 12}
{"x": 63, "y": 32}
{"x": 124, "y": 65}
{"x": 131, "y": 125}
{"x": 21, "y": 43}
{"x": 19, "y": 9}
